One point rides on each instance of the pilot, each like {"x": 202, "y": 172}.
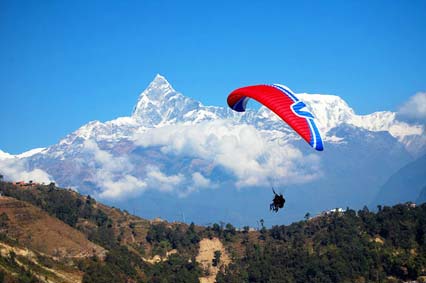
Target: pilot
{"x": 277, "y": 202}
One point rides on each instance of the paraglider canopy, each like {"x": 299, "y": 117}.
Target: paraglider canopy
{"x": 283, "y": 102}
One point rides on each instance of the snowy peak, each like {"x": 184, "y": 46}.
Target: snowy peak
{"x": 31, "y": 152}
{"x": 329, "y": 110}
{"x": 26, "y": 154}
{"x": 332, "y": 111}
{"x": 156, "y": 91}
{"x": 5, "y": 155}
{"x": 160, "y": 104}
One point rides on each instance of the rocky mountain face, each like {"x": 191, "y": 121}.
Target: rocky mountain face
{"x": 176, "y": 158}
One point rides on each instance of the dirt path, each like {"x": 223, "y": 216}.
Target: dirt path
{"x": 156, "y": 258}
{"x": 205, "y": 257}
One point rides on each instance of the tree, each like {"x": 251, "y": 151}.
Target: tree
{"x": 229, "y": 232}
{"x": 52, "y": 186}
{"x": 216, "y": 259}
{"x": 229, "y": 228}
{"x": 1, "y": 181}
{"x": 4, "y": 221}
{"x": 307, "y": 216}
{"x": 217, "y": 229}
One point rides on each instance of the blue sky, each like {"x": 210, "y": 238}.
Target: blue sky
{"x": 65, "y": 63}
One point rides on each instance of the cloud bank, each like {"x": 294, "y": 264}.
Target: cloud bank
{"x": 116, "y": 179}
{"x": 241, "y": 149}
{"x": 15, "y": 169}
{"x": 113, "y": 174}
{"x": 415, "y": 108}
{"x": 245, "y": 154}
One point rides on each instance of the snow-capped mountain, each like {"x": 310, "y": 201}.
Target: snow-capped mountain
{"x": 332, "y": 111}
{"x": 29, "y": 153}
{"x": 178, "y": 152}
{"x": 5, "y": 155}
{"x": 160, "y": 105}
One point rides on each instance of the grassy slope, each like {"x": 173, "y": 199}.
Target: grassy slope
{"x": 37, "y": 230}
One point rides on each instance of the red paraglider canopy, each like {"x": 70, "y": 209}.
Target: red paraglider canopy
{"x": 283, "y": 102}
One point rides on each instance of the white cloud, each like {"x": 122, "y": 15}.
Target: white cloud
{"x": 127, "y": 185}
{"x": 200, "y": 181}
{"x": 115, "y": 179}
{"x": 106, "y": 160}
{"x": 415, "y": 107}
{"x": 160, "y": 181}
{"x": 14, "y": 169}
{"x": 241, "y": 149}
{"x": 247, "y": 154}
{"x": 197, "y": 181}
{"x": 244, "y": 151}
{"x": 113, "y": 174}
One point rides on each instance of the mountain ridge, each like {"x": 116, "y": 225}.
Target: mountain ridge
{"x": 172, "y": 145}
{"x": 160, "y": 104}
{"x": 404, "y": 185}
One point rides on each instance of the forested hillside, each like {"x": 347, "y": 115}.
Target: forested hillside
{"x": 351, "y": 246}
{"x": 388, "y": 246}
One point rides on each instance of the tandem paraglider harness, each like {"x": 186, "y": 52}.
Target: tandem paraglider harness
{"x": 277, "y": 202}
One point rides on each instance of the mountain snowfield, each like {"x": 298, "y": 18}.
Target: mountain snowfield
{"x": 175, "y": 156}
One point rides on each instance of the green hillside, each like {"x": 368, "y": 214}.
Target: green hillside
{"x": 351, "y": 246}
